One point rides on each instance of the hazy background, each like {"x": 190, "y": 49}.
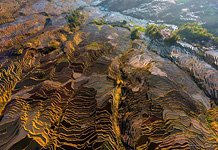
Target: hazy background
{"x": 174, "y": 12}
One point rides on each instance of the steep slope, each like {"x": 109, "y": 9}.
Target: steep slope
{"x": 73, "y": 84}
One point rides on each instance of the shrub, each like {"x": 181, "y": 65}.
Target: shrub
{"x": 140, "y": 28}
{"x": 135, "y": 34}
{"x": 154, "y": 30}
{"x": 74, "y": 19}
{"x": 194, "y": 32}
{"x": 174, "y": 37}
{"x": 99, "y": 22}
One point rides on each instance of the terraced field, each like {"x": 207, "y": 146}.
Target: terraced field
{"x": 70, "y": 80}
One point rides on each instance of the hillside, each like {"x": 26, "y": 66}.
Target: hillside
{"x": 74, "y": 76}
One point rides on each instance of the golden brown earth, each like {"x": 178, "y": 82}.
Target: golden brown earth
{"x": 92, "y": 87}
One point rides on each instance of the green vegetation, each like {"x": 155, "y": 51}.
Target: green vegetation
{"x": 174, "y": 37}
{"x": 99, "y": 22}
{"x": 94, "y": 46}
{"x": 135, "y": 34}
{"x": 193, "y": 32}
{"x": 190, "y": 32}
{"x": 154, "y": 31}
{"x": 74, "y": 19}
{"x": 135, "y": 31}
{"x": 122, "y": 24}
{"x": 139, "y": 28}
